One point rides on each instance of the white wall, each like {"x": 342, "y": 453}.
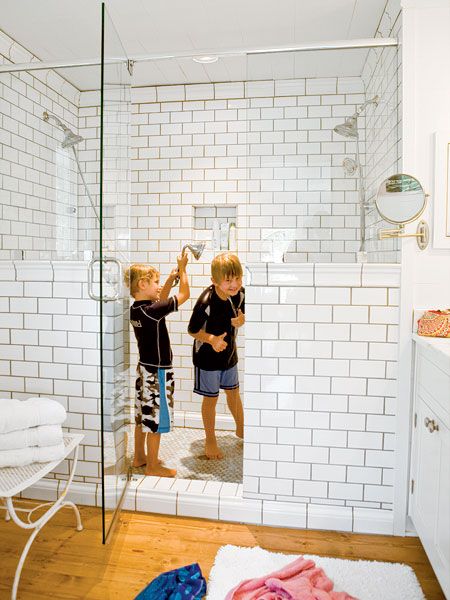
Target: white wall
{"x": 269, "y": 144}
{"x": 425, "y": 274}
{"x": 382, "y": 77}
{"x": 268, "y": 149}
{"x": 50, "y": 347}
{"x": 209, "y": 171}
{"x": 321, "y": 384}
{"x": 426, "y": 111}
{"x": 38, "y": 195}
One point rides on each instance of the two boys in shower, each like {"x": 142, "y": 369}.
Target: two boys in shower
{"x": 217, "y": 315}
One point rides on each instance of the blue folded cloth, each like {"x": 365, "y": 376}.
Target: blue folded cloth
{"x": 185, "y": 583}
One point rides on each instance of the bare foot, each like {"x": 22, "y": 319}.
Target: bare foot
{"x": 160, "y": 471}
{"x": 212, "y": 450}
{"x": 142, "y": 462}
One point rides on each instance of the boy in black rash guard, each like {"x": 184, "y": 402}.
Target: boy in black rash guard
{"x": 154, "y": 383}
{"x": 218, "y": 313}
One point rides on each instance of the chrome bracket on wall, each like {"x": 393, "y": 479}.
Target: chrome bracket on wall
{"x": 91, "y": 280}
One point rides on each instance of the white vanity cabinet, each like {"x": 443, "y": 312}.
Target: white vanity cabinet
{"x": 429, "y": 503}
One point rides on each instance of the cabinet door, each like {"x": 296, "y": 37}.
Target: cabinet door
{"x": 442, "y": 537}
{"x": 430, "y": 501}
{"x": 426, "y": 476}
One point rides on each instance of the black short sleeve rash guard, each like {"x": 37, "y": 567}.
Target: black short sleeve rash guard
{"x": 149, "y": 324}
{"x": 213, "y": 315}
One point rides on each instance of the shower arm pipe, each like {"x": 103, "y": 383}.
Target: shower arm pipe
{"x": 362, "y": 201}
{"x": 375, "y": 100}
{"x": 85, "y": 185}
{"x": 312, "y": 46}
{"x": 47, "y": 116}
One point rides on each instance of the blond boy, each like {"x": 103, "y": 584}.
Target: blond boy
{"x": 217, "y": 315}
{"x": 155, "y": 381}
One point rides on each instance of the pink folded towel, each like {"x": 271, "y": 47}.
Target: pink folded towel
{"x": 299, "y": 580}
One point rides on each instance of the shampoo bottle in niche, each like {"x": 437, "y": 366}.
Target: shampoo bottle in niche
{"x": 224, "y": 236}
{"x": 216, "y": 235}
{"x": 232, "y": 241}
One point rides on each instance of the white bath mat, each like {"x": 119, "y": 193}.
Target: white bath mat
{"x": 363, "y": 579}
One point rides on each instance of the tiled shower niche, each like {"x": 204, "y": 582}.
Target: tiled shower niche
{"x": 217, "y": 225}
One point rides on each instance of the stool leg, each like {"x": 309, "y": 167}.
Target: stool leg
{"x": 37, "y": 525}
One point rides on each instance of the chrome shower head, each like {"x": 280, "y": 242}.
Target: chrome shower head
{"x": 349, "y": 128}
{"x": 196, "y": 249}
{"x": 70, "y": 138}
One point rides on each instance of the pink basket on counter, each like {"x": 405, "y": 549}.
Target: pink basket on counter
{"x": 434, "y": 323}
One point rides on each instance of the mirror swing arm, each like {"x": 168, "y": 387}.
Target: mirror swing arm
{"x": 422, "y": 234}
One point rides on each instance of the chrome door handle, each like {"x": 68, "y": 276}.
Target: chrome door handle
{"x": 91, "y": 279}
{"x": 104, "y": 298}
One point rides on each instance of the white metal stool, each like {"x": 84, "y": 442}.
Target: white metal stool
{"x": 14, "y": 480}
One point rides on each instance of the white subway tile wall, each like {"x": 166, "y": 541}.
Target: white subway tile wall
{"x": 382, "y": 77}
{"x": 48, "y": 348}
{"x": 38, "y": 178}
{"x": 321, "y": 419}
{"x": 269, "y": 152}
{"x": 320, "y": 370}
{"x": 275, "y": 157}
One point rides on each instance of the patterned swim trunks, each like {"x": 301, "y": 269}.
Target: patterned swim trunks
{"x": 154, "y": 399}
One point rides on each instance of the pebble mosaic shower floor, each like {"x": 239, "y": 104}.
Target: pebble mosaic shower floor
{"x": 183, "y": 450}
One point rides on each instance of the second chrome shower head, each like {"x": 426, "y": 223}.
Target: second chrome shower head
{"x": 196, "y": 249}
{"x": 71, "y": 139}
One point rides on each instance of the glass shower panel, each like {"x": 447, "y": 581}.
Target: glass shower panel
{"x": 115, "y": 178}
{"x": 316, "y": 184}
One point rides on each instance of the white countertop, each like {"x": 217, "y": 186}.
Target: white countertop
{"x": 440, "y": 347}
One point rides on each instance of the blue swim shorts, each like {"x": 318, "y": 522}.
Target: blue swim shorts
{"x": 208, "y": 383}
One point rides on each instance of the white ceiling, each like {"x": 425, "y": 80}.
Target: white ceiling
{"x": 69, "y": 30}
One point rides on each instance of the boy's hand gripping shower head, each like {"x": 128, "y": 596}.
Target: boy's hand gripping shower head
{"x": 196, "y": 249}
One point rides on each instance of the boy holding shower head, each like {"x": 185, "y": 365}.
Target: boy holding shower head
{"x": 217, "y": 315}
{"x": 154, "y": 382}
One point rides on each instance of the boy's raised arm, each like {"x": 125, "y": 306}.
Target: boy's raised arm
{"x": 183, "y": 290}
{"x": 168, "y": 285}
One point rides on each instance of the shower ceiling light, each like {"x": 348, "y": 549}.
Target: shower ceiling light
{"x": 205, "y": 59}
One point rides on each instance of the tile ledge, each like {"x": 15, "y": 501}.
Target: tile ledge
{"x": 365, "y": 520}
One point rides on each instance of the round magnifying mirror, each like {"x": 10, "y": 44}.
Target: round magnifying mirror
{"x": 400, "y": 199}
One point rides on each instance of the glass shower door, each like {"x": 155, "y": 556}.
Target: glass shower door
{"x": 115, "y": 190}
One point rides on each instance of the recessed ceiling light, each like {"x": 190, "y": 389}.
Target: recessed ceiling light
{"x": 205, "y": 59}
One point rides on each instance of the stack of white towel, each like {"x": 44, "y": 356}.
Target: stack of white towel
{"x": 30, "y": 431}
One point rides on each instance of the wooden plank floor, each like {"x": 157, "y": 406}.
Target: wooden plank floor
{"x": 66, "y": 564}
